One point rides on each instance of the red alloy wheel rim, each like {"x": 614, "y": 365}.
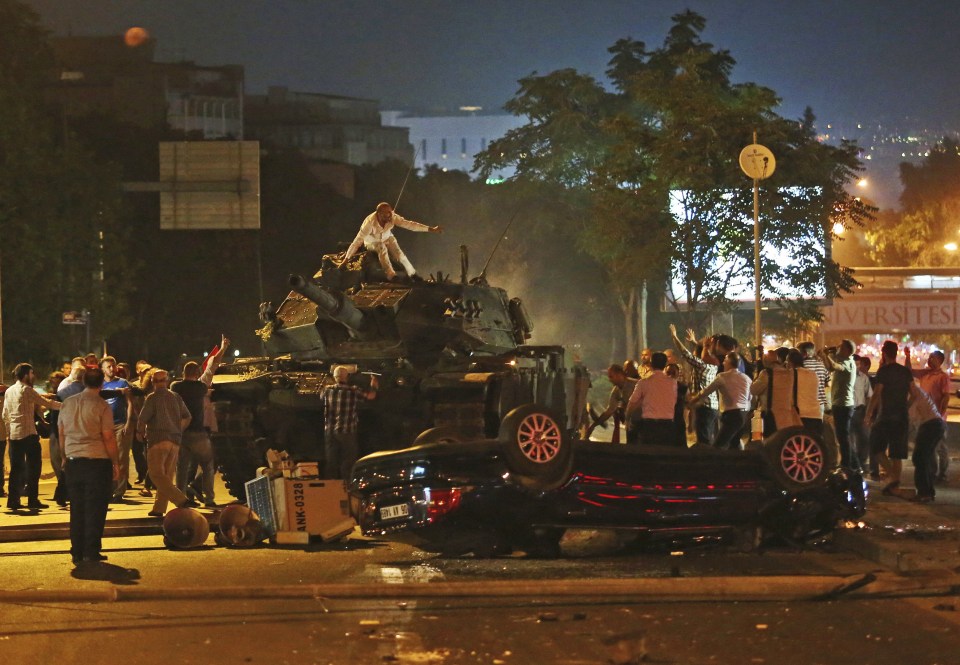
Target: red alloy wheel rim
{"x": 802, "y": 458}
{"x": 539, "y": 438}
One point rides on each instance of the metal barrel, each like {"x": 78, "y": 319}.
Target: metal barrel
{"x": 331, "y": 304}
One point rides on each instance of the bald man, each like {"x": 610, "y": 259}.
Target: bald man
{"x": 376, "y": 234}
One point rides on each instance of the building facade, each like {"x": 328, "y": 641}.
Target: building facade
{"x": 325, "y": 127}
{"x": 453, "y": 142}
{"x": 105, "y": 75}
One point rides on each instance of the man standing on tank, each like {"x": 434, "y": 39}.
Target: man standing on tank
{"x": 376, "y": 234}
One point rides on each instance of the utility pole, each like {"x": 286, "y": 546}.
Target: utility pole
{"x": 757, "y": 162}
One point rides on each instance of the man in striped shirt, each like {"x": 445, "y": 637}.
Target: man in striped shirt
{"x": 341, "y": 415}
{"x": 811, "y": 362}
{"x": 704, "y": 372}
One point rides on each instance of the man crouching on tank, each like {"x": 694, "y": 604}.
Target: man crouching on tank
{"x": 376, "y": 234}
{"x": 341, "y": 413}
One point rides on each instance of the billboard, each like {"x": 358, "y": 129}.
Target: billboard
{"x": 209, "y": 185}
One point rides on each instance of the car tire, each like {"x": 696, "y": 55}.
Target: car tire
{"x": 799, "y": 459}
{"x": 440, "y": 434}
{"x": 537, "y": 447}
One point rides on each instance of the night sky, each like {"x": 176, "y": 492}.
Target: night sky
{"x": 851, "y": 60}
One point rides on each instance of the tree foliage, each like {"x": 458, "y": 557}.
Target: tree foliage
{"x": 671, "y": 127}
{"x": 927, "y": 221}
{"x": 60, "y": 210}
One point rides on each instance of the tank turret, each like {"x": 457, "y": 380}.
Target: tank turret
{"x": 450, "y": 354}
{"x": 332, "y": 305}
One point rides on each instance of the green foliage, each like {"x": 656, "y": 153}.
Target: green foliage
{"x": 675, "y": 123}
{"x": 60, "y": 211}
{"x": 930, "y": 202}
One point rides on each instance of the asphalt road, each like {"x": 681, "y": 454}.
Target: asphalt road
{"x": 520, "y": 629}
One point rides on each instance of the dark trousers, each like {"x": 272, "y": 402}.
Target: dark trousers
{"x": 25, "y": 464}
{"x": 340, "y": 452}
{"x": 925, "y": 457}
{"x": 842, "y": 416}
{"x": 813, "y": 425}
{"x": 657, "y": 432}
{"x": 705, "y": 424}
{"x": 732, "y": 423}
{"x": 860, "y": 440}
{"x": 90, "y": 483}
{"x": 139, "y": 450}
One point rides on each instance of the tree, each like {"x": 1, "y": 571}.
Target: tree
{"x": 927, "y": 221}
{"x": 60, "y": 210}
{"x": 671, "y": 129}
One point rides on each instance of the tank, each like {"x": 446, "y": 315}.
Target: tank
{"x": 450, "y": 356}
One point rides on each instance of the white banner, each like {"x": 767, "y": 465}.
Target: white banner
{"x": 893, "y": 313}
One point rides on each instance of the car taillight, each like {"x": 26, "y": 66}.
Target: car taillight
{"x": 441, "y": 502}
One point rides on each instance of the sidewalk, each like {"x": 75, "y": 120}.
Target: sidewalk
{"x": 896, "y": 533}
{"x": 131, "y": 515}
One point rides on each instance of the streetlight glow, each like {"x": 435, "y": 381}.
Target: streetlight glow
{"x": 862, "y": 182}
{"x": 838, "y": 228}
{"x": 950, "y": 246}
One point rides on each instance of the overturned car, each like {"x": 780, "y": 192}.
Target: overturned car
{"x": 526, "y": 488}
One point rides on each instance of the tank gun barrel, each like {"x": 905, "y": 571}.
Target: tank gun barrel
{"x": 332, "y": 305}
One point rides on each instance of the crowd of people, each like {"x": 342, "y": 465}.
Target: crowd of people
{"x": 723, "y": 398}
{"x": 99, "y": 415}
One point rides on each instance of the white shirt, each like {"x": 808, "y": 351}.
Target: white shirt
{"x": 372, "y": 234}
{"x": 862, "y": 390}
{"x": 84, "y": 418}
{"x": 655, "y": 397}
{"x": 734, "y": 388}
{"x": 20, "y": 403}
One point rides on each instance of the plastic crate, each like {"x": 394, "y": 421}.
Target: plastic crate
{"x": 260, "y": 500}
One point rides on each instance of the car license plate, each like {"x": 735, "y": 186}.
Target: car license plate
{"x": 393, "y": 512}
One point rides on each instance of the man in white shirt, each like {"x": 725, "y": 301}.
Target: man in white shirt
{"x": 734, "y": 389}
{"x": 20, "y": 402}
{"x": 376, "y": 234}
{"x": 655, "y": 398}
{"x": 859, "y": 437}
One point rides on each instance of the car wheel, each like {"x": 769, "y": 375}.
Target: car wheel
{"x": 537, "y": 448}
{"x": 441, "y": 434}
{"x": 799, "y": 459}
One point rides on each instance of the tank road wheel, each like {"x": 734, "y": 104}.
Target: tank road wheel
{"x": 799, "y": 459}
{"x": 537, "y": 448}
{"x": 441, "y": 434}
{"x": 238, "y": 458}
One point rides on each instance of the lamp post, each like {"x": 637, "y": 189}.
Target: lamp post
{"x": 757, "y": 162}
